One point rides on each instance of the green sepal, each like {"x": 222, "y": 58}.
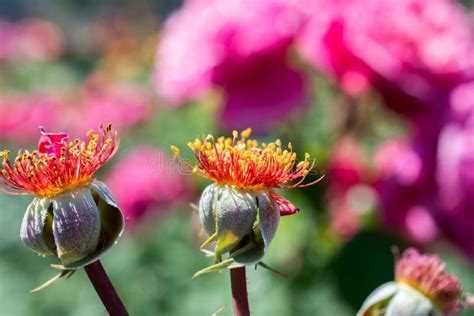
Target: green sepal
{"x": 214, "y": 268}
{"x": 63, "y": 273}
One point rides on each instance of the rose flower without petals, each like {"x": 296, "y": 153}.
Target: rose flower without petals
{"x": 240, "y": 210}
{"x": 73, "y": 216}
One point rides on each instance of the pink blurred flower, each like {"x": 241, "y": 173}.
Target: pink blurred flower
{"x": 30, "y": 39}
{"x": 240, "y": 48}
{"x": 462, "y": 103}
{"x": 455, "y": 177}
{"x": 321, "y": 42}
{"x": 412, "y": 51}
{"x": 147, "y": 180}
{"x": 101, "y": 99}
{"x": 20, "y": 116}
{"x": 406, "y": 190}
{"x": 349, "y": 195}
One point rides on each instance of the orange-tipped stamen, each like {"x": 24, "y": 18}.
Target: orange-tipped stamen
{"x": 45, "y": 174}
{"x": 241, "y": 162}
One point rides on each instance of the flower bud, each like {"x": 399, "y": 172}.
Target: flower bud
{"x": 240, "y": 211}
{"x": 242, "y": 222}
{"x": 72, "y": 217}
{"x": 76, "y": 226}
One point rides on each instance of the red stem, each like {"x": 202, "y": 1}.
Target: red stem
{"x": 238, "y": 282}
{"x": 104, "y": 288}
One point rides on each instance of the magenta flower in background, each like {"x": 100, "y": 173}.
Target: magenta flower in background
{"x": 147, "y": 180}
{"x": 415, "y": 53}
{"x": 406, "y": 190}
{"x": 321, "y": 43}
{"x": 462, "y": 104}
{"x": 412, "y": 51}
{"x": 455, "y": 177}
{"x": 239, "y": 48}
{"x": 30, "y": 39}
{"x": 455, "y": 172}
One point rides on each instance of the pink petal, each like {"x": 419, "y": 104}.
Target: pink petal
{"x": 51, "y": 143}
{"x": 286, "y": 207}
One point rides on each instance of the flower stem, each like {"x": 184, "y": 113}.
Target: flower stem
{"x": 238, "y": 282}
{"x": 104, "y": 288}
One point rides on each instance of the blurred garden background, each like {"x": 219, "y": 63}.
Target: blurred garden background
{"x": 381, "y": 92}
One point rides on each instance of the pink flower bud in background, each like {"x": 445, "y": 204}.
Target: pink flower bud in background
{"x": 145, "y": 181}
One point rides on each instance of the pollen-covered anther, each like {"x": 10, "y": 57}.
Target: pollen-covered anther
{"x": 175, "y": 150}
{"x": 246, "y": 133}
{"x": 4, "y": 154}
